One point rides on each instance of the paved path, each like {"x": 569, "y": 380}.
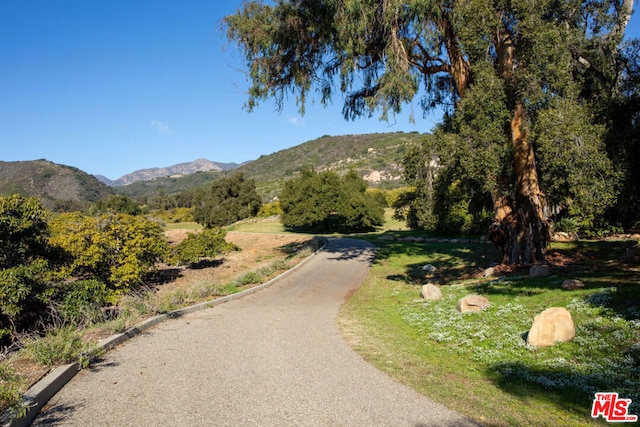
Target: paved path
{"x": 273, "y": 358}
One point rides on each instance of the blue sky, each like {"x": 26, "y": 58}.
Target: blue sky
{"x": 112, "y": 86}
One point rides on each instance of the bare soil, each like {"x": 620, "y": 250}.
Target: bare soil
{"x": 256, "y": 250}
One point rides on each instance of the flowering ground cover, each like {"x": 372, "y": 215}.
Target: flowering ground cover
{"x": 480, "y": 364}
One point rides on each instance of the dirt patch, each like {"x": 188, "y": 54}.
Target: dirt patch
{"x": 256, "y": 250}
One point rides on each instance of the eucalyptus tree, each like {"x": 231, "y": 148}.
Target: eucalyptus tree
{"x": 496, "y": 64}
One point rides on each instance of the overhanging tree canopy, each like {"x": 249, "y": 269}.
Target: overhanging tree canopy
{"x": 499, "y": 63}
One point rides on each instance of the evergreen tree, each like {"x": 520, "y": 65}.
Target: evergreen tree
{"x": 500, "y": 64}
{"x": 323, "y": 202}
{"x": 227, "y": 200}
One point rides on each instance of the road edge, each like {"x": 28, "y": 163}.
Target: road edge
{"x": 41, "y": 392}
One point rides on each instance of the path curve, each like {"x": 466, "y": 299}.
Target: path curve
{"x": 273, "y": 358}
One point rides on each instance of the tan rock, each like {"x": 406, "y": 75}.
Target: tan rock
{"x": 431, "y": 292}
{"x": 553, "y": 325}
{"x": 473, "y": 303}
{"x": 572, "y": 284}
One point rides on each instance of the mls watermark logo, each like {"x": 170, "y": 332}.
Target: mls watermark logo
{"x": 612, "y": 408}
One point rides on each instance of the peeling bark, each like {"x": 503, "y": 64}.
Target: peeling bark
{"x": 520, "y": 228}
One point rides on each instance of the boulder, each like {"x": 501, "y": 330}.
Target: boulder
{"x": 428, "y": 268}
{"x": 551, "y": 326}
{"x": 540, "y": 271}
{"x": 563, "y": 236}
{"x": 632, "y": 254}
{"x": 474, "y": 303}
{"x": 572, "y": 284}
{"x": 489, "y": 272}
{"x": 431, "y": 292}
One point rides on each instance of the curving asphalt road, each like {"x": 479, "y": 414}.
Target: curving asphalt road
{"x": 273, "y": 358}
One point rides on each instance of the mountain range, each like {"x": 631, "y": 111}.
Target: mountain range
{"x": 376, "y": 157}
{"x": 181, "y": 169}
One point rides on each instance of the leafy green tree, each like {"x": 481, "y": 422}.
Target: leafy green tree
{"x": 23, "y": 293}
{"x": 118, "y": 249}
{"x": 117, "y": 204}
{"x": 228, "y": 200}
{"x": 323, "y": 202}
{"x": 23, "y": 230}
{"x": 209, "y": 243}
{"x": 499, "y": 64}
{"x": 23, "y": 261}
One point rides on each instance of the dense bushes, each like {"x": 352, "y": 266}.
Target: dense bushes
{"x": 64, "y": 269}
{"x": 23, "y": 261}
{"x": 324, "y": 202}
{"x": 209, "y": 243}
{"x": 228, "y": 200}
{"x": 23, "y": 230}
{"x": 118, "y": 249}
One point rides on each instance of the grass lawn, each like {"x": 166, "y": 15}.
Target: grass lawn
{"x": 272, "y": 225}
{"x": 479, "y": 364}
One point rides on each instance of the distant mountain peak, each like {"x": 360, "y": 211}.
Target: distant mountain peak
{"x": 180, "y": 169}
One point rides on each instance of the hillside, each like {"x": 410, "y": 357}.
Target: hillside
{"x": 50, "y": 182}
{"x": 376, "y": 157}
{"x": 166, "y": 185}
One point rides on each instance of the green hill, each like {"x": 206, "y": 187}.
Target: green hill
{"x": 54, "y": 184}
{"x": 376, "y": 157}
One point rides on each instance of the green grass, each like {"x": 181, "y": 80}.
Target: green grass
{"x": 184, "y": 226}
{"x": 274, "y": 226}
{"x": 258, "y": 225}
{"x": 480, "y": 364}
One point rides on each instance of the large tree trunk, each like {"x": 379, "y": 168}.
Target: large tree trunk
{"x": 520, "y": 229}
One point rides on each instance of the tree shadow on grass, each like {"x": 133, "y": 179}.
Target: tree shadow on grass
{"x": 573, "y": 392}
{"x": 453, "y": 261}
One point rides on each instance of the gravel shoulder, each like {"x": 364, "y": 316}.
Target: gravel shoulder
{"x": 272, "y": 358}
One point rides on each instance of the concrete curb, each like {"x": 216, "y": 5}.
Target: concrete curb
{"x": 40, "y": 393}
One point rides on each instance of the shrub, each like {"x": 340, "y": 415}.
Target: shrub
{"x": 209, "y": 243}
{"x": 325, "y": 202}
{"x": 270, "y": 209}
{"x": 82, "y": 302}
{"x": 59, "y": 346}
{"x": 117, "y": 249}
{"x": 228, "y": 200}
{"x": 23, "y": 230}
{"x": 10, "y": 391}
{"x": 22, "y": 292}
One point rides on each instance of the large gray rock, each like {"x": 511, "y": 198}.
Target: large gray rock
{"x": 551, "y": 326}
{"x": 428, "y": 268}
{"x": 540, "y": 271}
{"x": 431, "y": 292}
{"x": 474, "y": 303}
